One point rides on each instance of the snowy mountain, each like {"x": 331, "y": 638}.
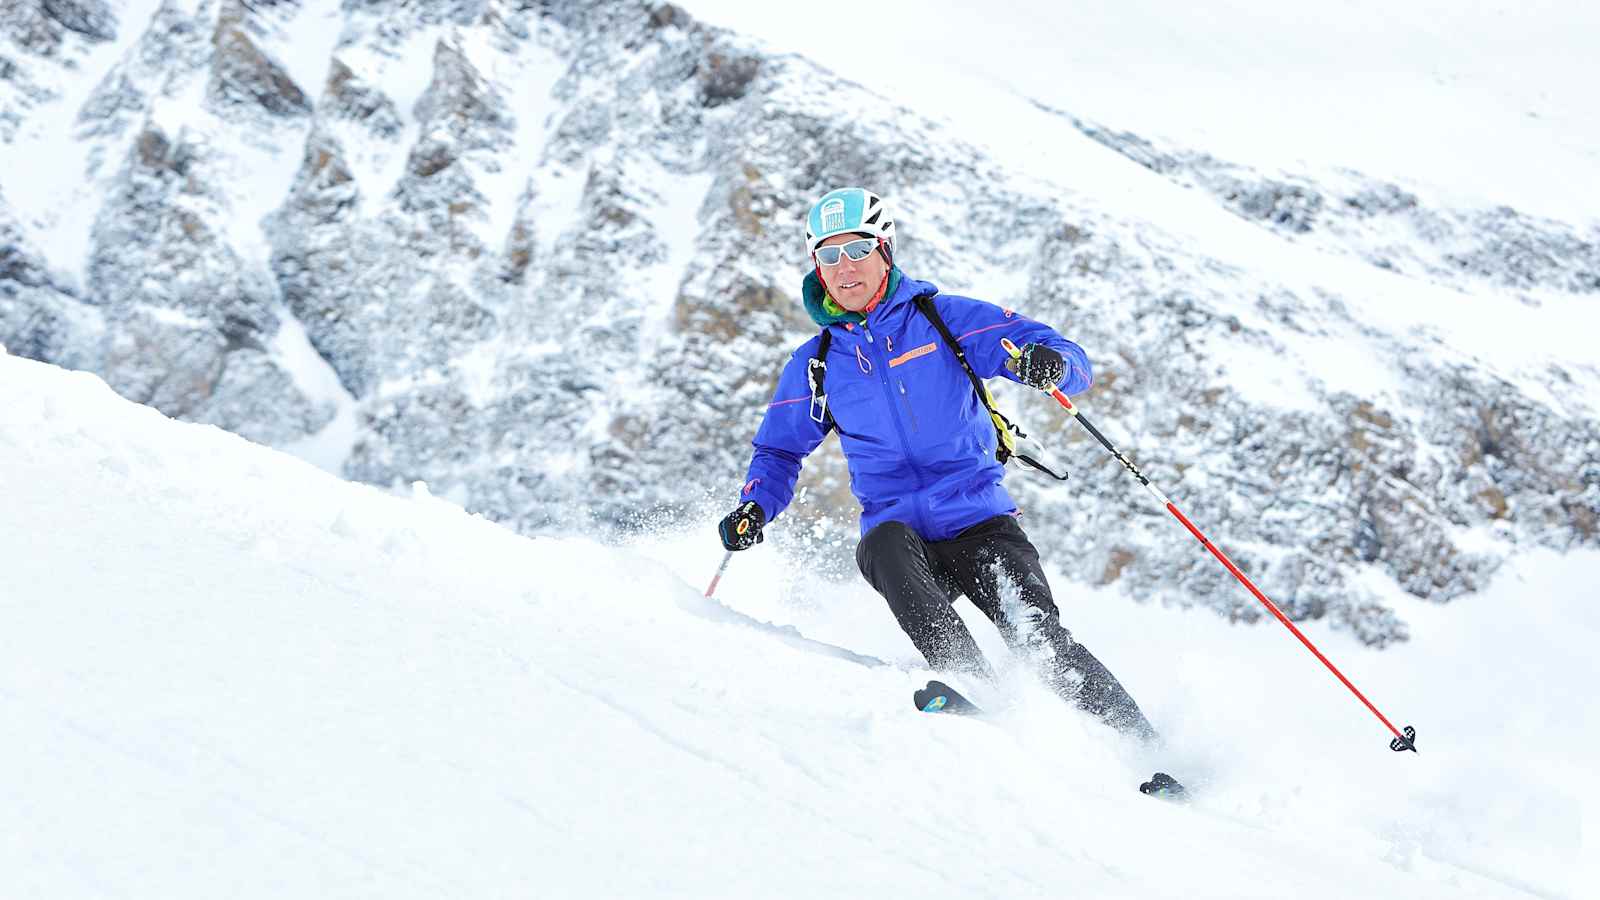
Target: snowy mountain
{"x": 545, "y": 258}
{"x": 224, "y": 672}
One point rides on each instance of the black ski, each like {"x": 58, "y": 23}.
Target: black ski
{"x": 939, "y": 697}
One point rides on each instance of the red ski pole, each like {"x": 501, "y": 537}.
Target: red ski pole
{"x": 726, "y": 557}
{"x": 1402, "y": 741}
{"x": 720, "y": 569}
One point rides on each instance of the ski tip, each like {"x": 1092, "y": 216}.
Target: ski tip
{"x": 1165, "y": 787}
{"x": 939, "y": 697}
{"x": 932, "y": 698}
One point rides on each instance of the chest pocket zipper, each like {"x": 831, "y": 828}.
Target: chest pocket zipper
{"x": 910, "y": 410}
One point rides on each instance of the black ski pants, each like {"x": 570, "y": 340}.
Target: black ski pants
{"x": 995, "y": 565}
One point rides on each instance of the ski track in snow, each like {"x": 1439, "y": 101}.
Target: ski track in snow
{"x": 223, "y": 671}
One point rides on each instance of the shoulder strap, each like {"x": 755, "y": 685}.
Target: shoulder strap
{"x": 925, "y": 303}
{"x": 1006, "y": 444}
{"x": 1009, "y": 434}
{"x": 816, "y": 371}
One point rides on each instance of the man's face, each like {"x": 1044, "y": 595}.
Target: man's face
{"x": 852, "y": 282}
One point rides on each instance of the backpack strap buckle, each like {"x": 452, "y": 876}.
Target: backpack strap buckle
{"x": 816, "y": 369}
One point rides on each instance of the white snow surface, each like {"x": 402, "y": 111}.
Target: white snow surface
{"x": 224, "y": 672}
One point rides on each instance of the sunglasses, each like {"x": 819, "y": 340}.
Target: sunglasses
{"x": 856, "y": 250}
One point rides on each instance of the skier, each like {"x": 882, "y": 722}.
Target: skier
{"x": 921, "y": 445}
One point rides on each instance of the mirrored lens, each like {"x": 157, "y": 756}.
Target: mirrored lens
{"x": 856, "y": 250}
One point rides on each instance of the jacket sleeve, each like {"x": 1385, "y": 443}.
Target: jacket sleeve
{"x": 979, "y": 326}
{"x": 786, "y": 437}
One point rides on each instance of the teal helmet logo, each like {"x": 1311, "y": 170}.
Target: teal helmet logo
{"x": 848, "y": 211}
{"x": 832, "y": 214}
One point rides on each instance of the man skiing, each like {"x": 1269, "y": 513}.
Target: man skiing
{"x": 921, "y": 446}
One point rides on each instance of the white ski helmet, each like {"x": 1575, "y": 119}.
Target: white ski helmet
{"x": 847, "y": 211}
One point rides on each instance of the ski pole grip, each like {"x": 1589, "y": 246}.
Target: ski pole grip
{"x": 1054, "y": 391}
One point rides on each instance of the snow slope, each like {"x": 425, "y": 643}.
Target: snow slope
{"x": 224, "y": 672}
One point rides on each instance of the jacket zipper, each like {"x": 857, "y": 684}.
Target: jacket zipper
{"x": 899, "y": 423}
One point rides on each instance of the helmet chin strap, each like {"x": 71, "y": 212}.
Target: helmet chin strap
{"x": 877, "y": 295}
{"x": 883, "y": 283}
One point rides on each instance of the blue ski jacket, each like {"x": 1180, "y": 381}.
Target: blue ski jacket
{"x": 918, "y": 442}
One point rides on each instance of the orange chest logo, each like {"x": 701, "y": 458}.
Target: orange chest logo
{"x": 909, "y": 355}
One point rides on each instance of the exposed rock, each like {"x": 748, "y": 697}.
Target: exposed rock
{"x": 91, "y": 18}
{"x": 172, "y": 50}
{"x": 347, "y": 96}
{"x": 189, "y": 323}
{"x": 1500, "y": 245}
{"x": 1291, "y": 206}
{"x": 44, "y": 41}
{"x": 241, "y": 74}
{"x": 41, "y": 27}
{"x": 19, "y": 266}
{"x": 669, "y": 16}
{"x": 726, "y": 77}
{"x": 38, "y": 319}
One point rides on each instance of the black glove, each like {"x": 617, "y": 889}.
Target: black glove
{"x": 1038, "y": 367}
{"x": 741, "y": 529}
